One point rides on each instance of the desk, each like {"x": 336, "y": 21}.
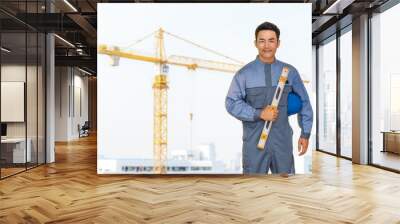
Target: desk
{"x": 391, "y": 141}
{"x": 15, "y": 148}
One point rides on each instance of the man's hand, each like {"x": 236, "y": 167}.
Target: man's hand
{"x": 269, "y": 113}
{"x": 302, "y": 146}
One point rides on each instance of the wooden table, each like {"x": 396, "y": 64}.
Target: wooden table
{"x": 391, "y": 141}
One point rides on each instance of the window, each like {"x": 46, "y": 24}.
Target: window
{"x": 385, "y": 88}
{"x": 327, "y": 97}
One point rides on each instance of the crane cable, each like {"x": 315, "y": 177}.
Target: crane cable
{"x": 204, "y": 48}
{"x": 139, "y": 40}
{"x": 185, "y": 40}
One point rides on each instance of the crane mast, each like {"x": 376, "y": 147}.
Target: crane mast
{"x": 160, "y": 128}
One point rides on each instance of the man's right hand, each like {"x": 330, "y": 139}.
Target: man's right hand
{"x": 269, "y": 113}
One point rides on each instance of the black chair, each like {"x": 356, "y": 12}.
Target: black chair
{"x": 84, "y": 130}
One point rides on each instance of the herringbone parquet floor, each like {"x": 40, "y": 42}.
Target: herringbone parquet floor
{"x": 70, "y": 191}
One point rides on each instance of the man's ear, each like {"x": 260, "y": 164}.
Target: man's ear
{"x": 279, "y": 43}
{"x": 255, "y": 43}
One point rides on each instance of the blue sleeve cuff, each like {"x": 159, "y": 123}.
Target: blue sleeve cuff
{"x": 305, "y": 135}
{"x": 257, "y": 114}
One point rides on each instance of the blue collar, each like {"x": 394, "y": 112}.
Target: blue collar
{"x": 258, "y": 61}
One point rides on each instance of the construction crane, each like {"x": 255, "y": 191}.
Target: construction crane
{"x": 160, "y": 83}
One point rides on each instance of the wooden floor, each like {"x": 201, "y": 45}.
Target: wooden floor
{"x": 388, "y": 159}
{"x": 70, "y": 191}
{"x": 10, "y": 171}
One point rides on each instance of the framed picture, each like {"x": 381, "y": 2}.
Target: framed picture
{"x": 164, "y": 71}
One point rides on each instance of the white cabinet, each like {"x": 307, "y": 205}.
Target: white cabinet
{"x": 18, "y": 149}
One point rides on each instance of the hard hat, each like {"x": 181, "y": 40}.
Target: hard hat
{"x": 294, "y": 103}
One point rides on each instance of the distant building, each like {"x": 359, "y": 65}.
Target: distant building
{"x": 203, "y": 152}
{"x": 146, "y": 166}
{"x": 202, "y": 160}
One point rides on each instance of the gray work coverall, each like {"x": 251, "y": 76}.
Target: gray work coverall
{"x": 251, "y": 90}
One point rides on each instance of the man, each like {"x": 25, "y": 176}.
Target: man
{"x": 249, "y": 95}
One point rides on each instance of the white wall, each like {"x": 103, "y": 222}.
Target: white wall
{"x": 71, "y": 93}
{"x": 61, "y": 103}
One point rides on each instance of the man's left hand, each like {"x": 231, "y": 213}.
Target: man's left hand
{"x": 302, "y": 146}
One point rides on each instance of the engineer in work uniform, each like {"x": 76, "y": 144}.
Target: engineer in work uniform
{"x": 251, "y": 91}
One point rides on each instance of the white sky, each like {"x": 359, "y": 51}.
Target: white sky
{"x": 125, "y": 97}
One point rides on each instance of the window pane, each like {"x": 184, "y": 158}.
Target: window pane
{"x": 41, "y": 99}
{"x": 31, "y": 100}
{"x": 14, "y": 152}
{"x": 327, "y": 97}
{"x": 346, "y": 94}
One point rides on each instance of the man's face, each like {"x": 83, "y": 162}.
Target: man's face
{"x": 266, "y": 44}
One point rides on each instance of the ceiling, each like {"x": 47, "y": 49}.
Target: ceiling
{"x": 77, "y": 23}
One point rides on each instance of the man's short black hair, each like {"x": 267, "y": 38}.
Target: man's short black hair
{"x": 268, "y": 26}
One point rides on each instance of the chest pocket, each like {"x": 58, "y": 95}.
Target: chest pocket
{"x": 285, "y": 93}
{"x": 255, "y": 97}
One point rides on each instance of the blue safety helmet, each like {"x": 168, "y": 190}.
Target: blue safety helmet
{"x": 294, "y": 104}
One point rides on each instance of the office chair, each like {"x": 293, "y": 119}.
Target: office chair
{"x": 84, "y": 130}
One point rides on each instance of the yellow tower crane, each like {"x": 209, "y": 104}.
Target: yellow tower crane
{"x": 160, "y": 84}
